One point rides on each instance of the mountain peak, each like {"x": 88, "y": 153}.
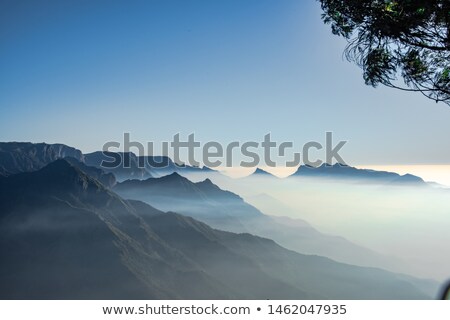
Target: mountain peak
{"x": 107, "y": 179}
{"x": 325, "y": 168}
{"x": 59, "y": 178}
{"x": 261, "y": 172}
{"x": 409, "y": 179}
{"x": 62, "y": 174}
{"x": 174, "y": 177}
{"x": 207, "y": 183}
{"x": 60, "y": 166}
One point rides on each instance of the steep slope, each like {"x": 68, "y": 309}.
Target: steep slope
{"x": 319, "y": 277}
{"x": 63, "y": 235}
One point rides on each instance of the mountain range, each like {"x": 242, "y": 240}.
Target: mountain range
{"x": 225, "y": 210}
{"x": 64, "y": 235}
{"x": 17, "y": 157}
{"x": 69, "y": 227}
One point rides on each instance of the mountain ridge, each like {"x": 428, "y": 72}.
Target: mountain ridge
{"x": 228, "y": 211}
{"x": 16, "y": 157}
{"x": 340, "y": 171}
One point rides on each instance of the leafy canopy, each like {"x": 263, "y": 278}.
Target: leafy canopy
{"x": 390, "y": 40}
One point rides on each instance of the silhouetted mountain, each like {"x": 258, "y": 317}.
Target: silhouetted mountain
{"x": 64, "y": 236}
{"x": 225, "y": 210}
{"x": 163, "y": 165}
{"x": 127, "y": 165}
{"x": 345, "y": 172}
{"x": 408, "y": 179}
{"x": 16, "y": 157}
{"x": 260, "y": 173}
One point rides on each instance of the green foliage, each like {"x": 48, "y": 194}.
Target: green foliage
{"x": 392, "y": 40}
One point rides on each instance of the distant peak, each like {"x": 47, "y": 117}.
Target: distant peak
{"x": 328, "y": 165}
{"x": 341, "y": 165}
{"x": 411, "y": 178}
{"x": 259, "y": 171}
{"x": 324, "y": 165}
{"x": 174, "y": 176}
{"x": 207, "y": 183}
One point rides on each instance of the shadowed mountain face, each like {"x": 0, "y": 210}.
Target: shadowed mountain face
{"x": 16, "y": 157}
{"x": 225, "y": 210}
{"x": 344, "y": 172}
{"x": 63, "y": 235}
{"x": 107, "y": 179}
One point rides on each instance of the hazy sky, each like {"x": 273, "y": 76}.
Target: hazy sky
{"x": 84, "y": 72}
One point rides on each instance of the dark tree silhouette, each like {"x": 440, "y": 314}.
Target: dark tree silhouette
{"x": 394, "y": 40}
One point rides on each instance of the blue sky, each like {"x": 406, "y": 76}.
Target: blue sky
{"x": 84, "y": 72}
